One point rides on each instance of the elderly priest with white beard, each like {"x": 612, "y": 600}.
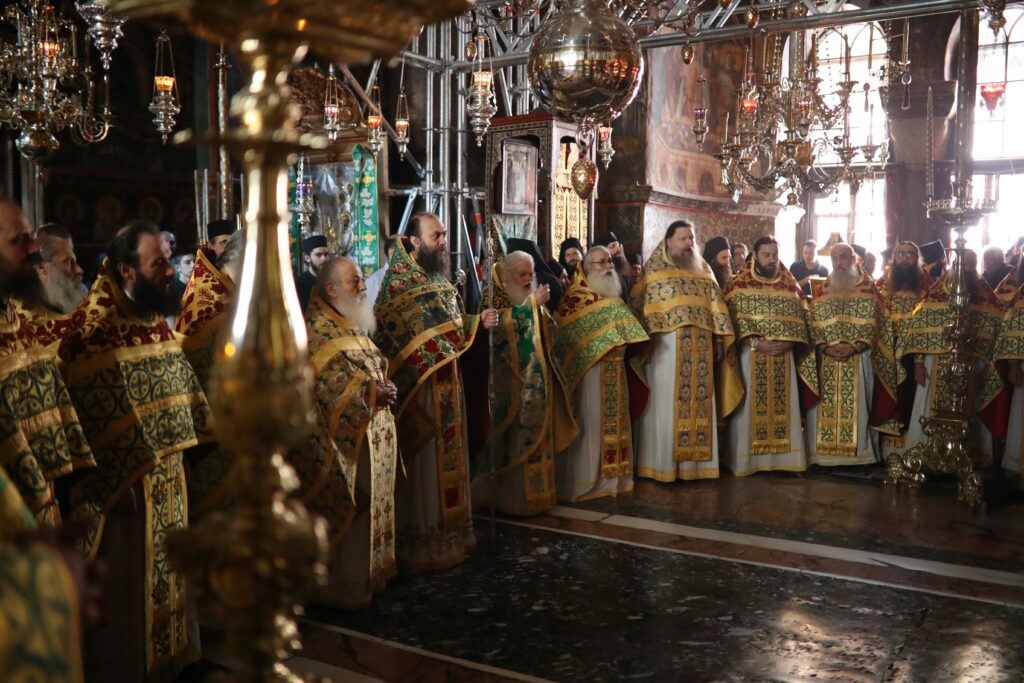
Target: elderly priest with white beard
{"x": 851, "y": 334}
{"x": 531, "y": 417}
{"x": 596, "y": 334}
{"x": 355, "y": 399}
{"x": 691, "y": 337}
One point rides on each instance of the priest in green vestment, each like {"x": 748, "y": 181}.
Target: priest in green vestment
{"x": 423, "y": 330}
{"x": 532, "y": 416}
{"x": 597, "y": 332}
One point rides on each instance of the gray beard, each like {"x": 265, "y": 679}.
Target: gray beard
{"x": 688, "y": 261}
{"x": 842, "y": 281}
{"x": 358, "y": 311}
{"x": 607, "y": 284}
{"x": 516, "y": 294}
{"x": 62, "y": 292}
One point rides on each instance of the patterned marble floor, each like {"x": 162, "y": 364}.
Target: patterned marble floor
{"x": 760, "y": 579}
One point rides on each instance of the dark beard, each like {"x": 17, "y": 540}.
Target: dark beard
{"x": 765, "y": 273}
{"x": 434, "y": 262}
{"x": 722, "y": 274}
{"x": 906, "y": 277}
{"x": 25, "y": 284}
{"x": 150, "y": 299}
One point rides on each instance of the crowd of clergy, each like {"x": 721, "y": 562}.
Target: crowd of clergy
{"x": 579, "y": 375}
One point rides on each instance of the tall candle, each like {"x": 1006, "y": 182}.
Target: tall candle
{"x": 906, "y": 41}
{"x": 726, "y": 136}
{"x": 871, "y": 124}
{"x": 929, "y": 179}
{"x": 871, "y": 43}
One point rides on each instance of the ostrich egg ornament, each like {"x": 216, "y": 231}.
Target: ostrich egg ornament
{"x": 585, "y": 63}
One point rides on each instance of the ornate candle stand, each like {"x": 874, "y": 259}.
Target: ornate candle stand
{"x": 254, "y": 565}
{"x": 947, "y": 450}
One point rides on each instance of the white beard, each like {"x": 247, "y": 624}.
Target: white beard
{"x": 62, "y": 291}
{"x": 516, "y": 294}
{"x": 842, "y": 281}
{"x": 358, "y": 310}
{"x": 606, "y": 284}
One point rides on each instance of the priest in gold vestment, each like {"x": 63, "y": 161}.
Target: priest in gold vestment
{"x": 42, "y": 439}
{"x": 355, "y": 398}
{"x": 851, "y": 334}
{"x": 1008, "y": 377}
{"x": 423, "y": 331}
{"x": 596, "y": 333}
{"x": 141, "y": 406}
{"x": 40, "y": 619}
{"x": 531, "y": 417}
{"x": 924, "y": 341}
{"x": 683, "y": 310}
{"x": 901, "y": 287}
{"x": 770, "y": 316}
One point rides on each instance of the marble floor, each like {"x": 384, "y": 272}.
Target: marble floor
{"x": 774, "y": 577}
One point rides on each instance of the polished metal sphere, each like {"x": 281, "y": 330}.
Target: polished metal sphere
{"x": 36, "y": 142}
{"x": 585, "y": 63}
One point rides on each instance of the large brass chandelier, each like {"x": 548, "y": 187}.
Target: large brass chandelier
{"x": 782, "y": 125}
{"x": 44, "y": 88}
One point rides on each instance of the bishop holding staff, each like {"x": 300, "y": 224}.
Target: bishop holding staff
{"x": 531, "y": 416}
{"x": 422, "y": 330}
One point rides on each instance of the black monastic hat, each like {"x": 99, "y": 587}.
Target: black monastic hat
{"x": 223, "y": 226}
{"x": 605, "y": 239}
{"x": 714, "y": 246}
{"x": 933, "y": 252}
{"x": 313, "y": 242}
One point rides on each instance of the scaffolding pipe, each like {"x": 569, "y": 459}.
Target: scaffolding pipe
{"x": 428, "y": 138}
{"x": 445, "y": 133}
{"x": 416, "y": 59}
{"x": 461, "y": 132}
{"x": 914, "y": 9}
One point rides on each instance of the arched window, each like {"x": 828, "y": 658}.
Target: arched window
{"x": 867, "y": 120}
{"x": 860, "y": 217}
{"x": 998, "y": 147}
{"x": 1001, "y": 89}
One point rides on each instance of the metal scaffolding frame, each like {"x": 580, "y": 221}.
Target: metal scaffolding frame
{"x": 439, "y": 55}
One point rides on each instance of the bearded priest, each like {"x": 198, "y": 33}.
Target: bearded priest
{"x": 532, "y": 418}
{"x": 596, "y": 334}
{"x": 923, "y": 339}
{"x": 691, "y": 332}
{"x": 423, "y": 331}
{"x": 770, "y": 316}
{"x": 901, "y": 288}
{"x": 141, "y": 406}
{"x": 851, "y": 334}
{"x": 355, "y": 397}
{"x": 56, "y": 290}
{"x": 41, "y": 439}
